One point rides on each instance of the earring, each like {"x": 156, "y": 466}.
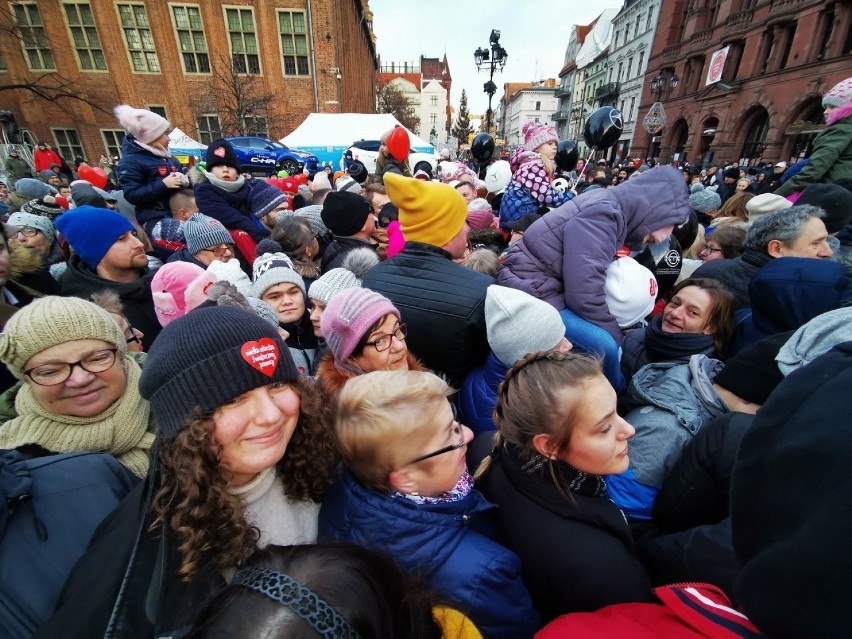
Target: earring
{"x": 414, "y": 493}
{"x": 553, "y": 458}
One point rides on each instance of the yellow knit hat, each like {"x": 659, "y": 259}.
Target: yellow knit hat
{"x": 55, "y": 320}
{"x": 429, "y": 212}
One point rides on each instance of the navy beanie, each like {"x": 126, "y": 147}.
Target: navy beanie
{"x": 207, "y": 358}
{"x": 92, "y": 231}
{"x": 345, "y": 213}
{"x": 221, "y": 153}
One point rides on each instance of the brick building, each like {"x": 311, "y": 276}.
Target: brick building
{"x": 774, "y": 59}
{"x": 427, "y": 84}
{"x": 180, "y": 59}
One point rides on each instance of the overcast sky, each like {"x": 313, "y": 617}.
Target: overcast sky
{"x": 533, "y": 32}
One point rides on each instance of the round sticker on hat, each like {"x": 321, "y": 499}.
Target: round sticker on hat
{"x": 262, "y": 355}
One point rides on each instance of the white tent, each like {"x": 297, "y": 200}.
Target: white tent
{"x": 181, "y": 144}
{"x": 328, "y": 135}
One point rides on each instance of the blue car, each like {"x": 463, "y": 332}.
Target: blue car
{"x": 267, "y": 156}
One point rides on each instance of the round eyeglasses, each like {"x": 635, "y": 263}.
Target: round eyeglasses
{"x": 57, "y": 372}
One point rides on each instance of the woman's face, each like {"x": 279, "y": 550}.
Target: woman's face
{"x": 288, "y": 301}
{"x": 317, "y": 309}
{"x": 711, "y": 251}
{"x": 434, "y": 476}
{"x": 548, "y": 149}
{"x": 132, "y": 335}
{"x": 255, "y": 428}
{"x": 598, "y": 442}
{"x": 742, "y": 185}
{"x": 38, "y": 241}
{"x": 688, "y": 312}
{"x": 392, "y": 358}
{"x": 83, "y": 394}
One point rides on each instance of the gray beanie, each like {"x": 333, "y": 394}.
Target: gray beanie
{"x": 264, "y": 310}
{"x": 705, "y": 201}
{"x": 313, "y": 215}
{"x": 331, "y": 283}
{"x": 518, "y": 324}
{"x": 202, "y": 231}
{"x": 38, "y": 222}
{"x": 271, "y": 269}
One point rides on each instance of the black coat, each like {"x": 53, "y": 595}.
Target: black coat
{"x": 442, "y": 303}
{"x": 576, "y": 557}
{"x": 335, "y": 253}
{"x": 81, "y": 281}
{"x": 735, "y": 274}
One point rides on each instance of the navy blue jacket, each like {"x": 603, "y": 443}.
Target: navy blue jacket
{"x": 478, "y": 395}
{"x": 441, "y": 543}
{"x": 49, "y": 508}
{"x": 184, "y": 255}
{"x": 233, "y": 210}
{"x": 141, "y": 175}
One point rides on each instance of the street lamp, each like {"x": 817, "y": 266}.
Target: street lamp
{"x": 492, "y": 58}
{"x": 656, "y": 118}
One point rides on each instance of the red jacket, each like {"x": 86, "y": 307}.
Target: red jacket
{"x": 43, "y": 159}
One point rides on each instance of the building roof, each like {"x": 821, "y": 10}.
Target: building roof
{"x": 511, "y": 88}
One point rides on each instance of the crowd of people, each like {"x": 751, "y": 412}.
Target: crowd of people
{"x": 507, "y": 399}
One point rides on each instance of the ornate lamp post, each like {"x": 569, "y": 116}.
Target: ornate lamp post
{"x": 492, "y": 59}
{"x": 656, "y": 118}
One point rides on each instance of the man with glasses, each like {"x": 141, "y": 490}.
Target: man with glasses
{"x": 207, "y": 241}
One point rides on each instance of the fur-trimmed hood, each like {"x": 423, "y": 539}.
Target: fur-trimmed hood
{"x": 332, "y": 379}
{"x": 23, "y": 260}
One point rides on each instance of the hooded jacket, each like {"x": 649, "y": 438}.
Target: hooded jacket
{"x": 141, "y": 174}
{"x": 563, "y": 257}
{"x": 669, "y": 403}
{"x": 736, "y": 274}
{"x": 442, "y": 542}
{"x": 233, "y": 210}
{"x": 79, "y": 280}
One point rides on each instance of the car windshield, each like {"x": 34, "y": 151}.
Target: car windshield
{"x": 367, "y": 145}
{"x": 278, "y": 145}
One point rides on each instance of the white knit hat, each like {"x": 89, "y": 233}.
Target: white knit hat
{"x": 331, "y": 283}
{"x": 518, "y": 324}
{"x": 765, "y": 203}
{"x": 146, "y": 126}
{"x": 320, "y": 183}
{"x": 631, "y": 291}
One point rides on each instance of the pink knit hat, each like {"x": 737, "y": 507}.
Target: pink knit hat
{"x": 536, "y": 134}
{"x": 480, "y": 215}
{"x": 348, "y": 317}
{"x": 168, "y": 289}
{"x": 146, "y": 126}
{"x": 840, "y": 94}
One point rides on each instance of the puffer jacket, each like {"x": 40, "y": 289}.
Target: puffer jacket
{"x": 563, "y": 257}
{"x": 478, "y": 395}
{"x": 669, "y": 402}
{"x": 446, "y": 543}
{"x": 141, "y": 174}
{"x": 530, "y": 188}
{"x": 233, "y": 210}
{"x": 831, "y": 158}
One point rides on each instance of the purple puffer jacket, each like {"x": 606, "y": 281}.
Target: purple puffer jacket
{"x": 563, "y": 257}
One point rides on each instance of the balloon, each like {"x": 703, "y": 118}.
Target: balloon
{"x": 567, "y": 155}
{"x": 603, "y": 127}
{"x": 95, "y": 175}
{"x": 61, "y": 201}
{"x": 398, "y": 143}
{"x": 482, "y": 148}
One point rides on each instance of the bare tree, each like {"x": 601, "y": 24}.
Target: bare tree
{"x": 391, "y": 100}
{"x": 237, "y": 95}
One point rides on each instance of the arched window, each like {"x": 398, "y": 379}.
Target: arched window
{"x": 755, "y": 136}
{"x": 805, "y": 129}
{"x": 680, "y": 136}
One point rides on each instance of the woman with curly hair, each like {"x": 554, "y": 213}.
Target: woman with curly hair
{"x": 243, "y": 457}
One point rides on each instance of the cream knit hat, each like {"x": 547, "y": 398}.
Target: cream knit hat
{"x": 54, "y": 320}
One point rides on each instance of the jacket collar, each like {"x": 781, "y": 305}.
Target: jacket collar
{"x": 415, "y": 248}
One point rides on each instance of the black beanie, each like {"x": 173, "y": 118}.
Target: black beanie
{"x": 753, "y": 373}
{"x": 221, "y": 153}
{"x": 344, "y": 213}
{"x": 732, "y": 173}
{"x": 358, "y": 172}
{"x": 207, "y": 358}
{"x": 834, "y": 200}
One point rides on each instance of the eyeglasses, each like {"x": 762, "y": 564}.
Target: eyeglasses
{"x": 133, "y": 336}
{"x": 26, "y": 231}
{"x": 221, "y": 250}
{"x": 383, "y": 342}
{"x": 710, "y": 249}
{"x": 57, "y": 372}
{"x": 446, "y": 449}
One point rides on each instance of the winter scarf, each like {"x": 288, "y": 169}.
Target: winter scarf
{"x": 230, "y": 187}
{"x": 538, "y": 467}
{"x": 458, "y": 492}
{"x": 122, "y": 430}
{"x": 675, "y": 347}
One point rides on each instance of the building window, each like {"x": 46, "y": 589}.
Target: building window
{"x": 756, "y": 136}
{"x": 243, "y": 39}
{"x": 650, "y": 19}
{"x": 433, "y": 100}
{"x": 617, "y": 37}
{"x": 294, "y": 42}
{"x": 209, "y": 128}
{"x": 629, "y": 67}
{"x": 433, "y": 118}
{"x": 632, "y": 107}
{"x": 112, "y": 141}
{"x": 2, "y": 63}
{"x": 789, "y": 35}
{"x": 159, "y": 109}
{"x": 256, "y": 125}
{"x": 68, "y": 143}
{"x": 636, "y": 28}
{"x": 538, "y": 105}
{"x": 641, "y": 60}
{"x": 84, "y": 36}
{"x": 620, "y": 70}
{"x": 138, "y": 38}
{"x": 191, "y": 41}
{"x": 827, "y": 18}
{"x": 33, "y": 37}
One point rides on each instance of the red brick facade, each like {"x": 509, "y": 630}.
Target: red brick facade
{"x": 783, "y": 56}
{"x": 338, "y": 35}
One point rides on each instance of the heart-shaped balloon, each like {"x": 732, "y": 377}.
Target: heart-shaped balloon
{"x": 603, "y": 127}
{"x": 398, "y": 143}
{"x": 95, "y": 175}
{"x": 262, "y": 355}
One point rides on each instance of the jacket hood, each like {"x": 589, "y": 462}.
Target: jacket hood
{"x": 23, "y": 260}
{"x": 651, "y": 201}
{"x": 686, "y": 390}
{"x": 81, "y": 281}
{"x": 790, "y": 291}
{"x": 815, "y": 338}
